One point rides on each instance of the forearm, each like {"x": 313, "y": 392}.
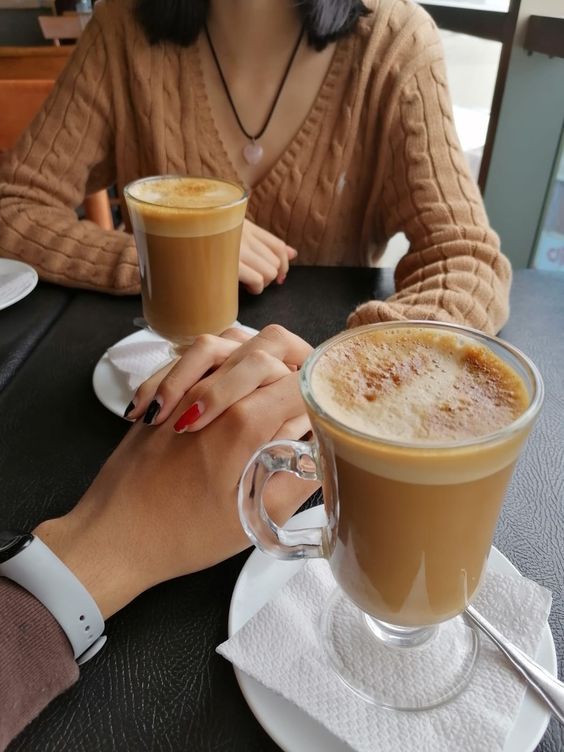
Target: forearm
{"x": 36, "y": 660}
{"x": 458, "y": 285}
{"x": 36, "y": 657}
{"x": 63, "y": 249}
{"x": 66, "y": 153}
{"x": 88, "y": 544}
{"x": 454, "y": 270}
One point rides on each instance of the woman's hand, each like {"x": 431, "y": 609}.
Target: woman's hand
{"x": 206, "y": 353}
{"x": 264, "y": 258}
{"x": 162, "y": 506}
{"x": 241, "y": 365}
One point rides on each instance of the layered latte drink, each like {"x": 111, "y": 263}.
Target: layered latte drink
{"x": 418, "y": 426}
{"x": 188, "y": 232}
{"x": 405, "y": 414}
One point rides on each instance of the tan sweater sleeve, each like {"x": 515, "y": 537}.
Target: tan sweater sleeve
{"x": 454, "y": 270}
{"x": 36, "y": 660}
{"x": 65, "y": 153}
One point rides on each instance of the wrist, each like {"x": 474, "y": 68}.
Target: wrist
{"x": 87, "y": 552}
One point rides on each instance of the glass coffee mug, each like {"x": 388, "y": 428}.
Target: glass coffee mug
{"x": 410, "y": 522}
{"x": 188, "y": 234}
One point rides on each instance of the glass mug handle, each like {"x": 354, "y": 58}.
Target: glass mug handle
{"x": 301, "y": 459}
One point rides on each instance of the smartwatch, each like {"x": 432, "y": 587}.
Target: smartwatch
{"x": 26, "y": 560}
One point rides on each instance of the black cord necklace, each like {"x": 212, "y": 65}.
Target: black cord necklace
{"x": 253, "y": 152}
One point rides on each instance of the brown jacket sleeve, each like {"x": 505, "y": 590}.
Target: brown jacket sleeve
{"x": 454, "y": 270}
{"x": 66, "y": 153}
{"x": 36, "y": 660}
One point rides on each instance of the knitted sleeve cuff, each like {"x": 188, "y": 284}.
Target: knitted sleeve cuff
{"x": 381, "y": 310}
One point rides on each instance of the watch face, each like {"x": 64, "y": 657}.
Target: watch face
{"x": 12, "y": 542}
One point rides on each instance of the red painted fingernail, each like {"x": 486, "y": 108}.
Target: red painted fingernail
{"x": 281, "y": 280}
{"x": 189, "y": 417}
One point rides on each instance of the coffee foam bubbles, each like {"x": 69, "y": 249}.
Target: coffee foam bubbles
{"x": 418, "y": 386}
{"x": 186, "y": 193}
{"x": 424, "y": 388}
{"x": 185, "y": 207}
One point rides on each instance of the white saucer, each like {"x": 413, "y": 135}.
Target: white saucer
{"x": 16, "y": 281}
{"x": 110, "y": 384}
{"x": 292, "y": 729}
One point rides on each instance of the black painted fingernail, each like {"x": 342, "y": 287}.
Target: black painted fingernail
{"x": 128, "y": 409}
{"x": 152, "y": 412}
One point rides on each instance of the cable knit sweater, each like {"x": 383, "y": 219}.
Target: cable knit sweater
{"x": 377, "y": 154}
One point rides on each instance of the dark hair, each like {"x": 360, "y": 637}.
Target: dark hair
{"x": 180, "y": 21}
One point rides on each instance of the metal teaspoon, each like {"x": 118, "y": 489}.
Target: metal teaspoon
{"x": 550, "y": 689}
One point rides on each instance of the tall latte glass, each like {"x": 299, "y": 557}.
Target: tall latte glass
{"x": 417, "y": 429}
{"x": 188, "y": 232}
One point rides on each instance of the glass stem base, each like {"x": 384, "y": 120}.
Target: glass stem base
{"x": 400, "y": 637}
{"x": 397, "y": 667}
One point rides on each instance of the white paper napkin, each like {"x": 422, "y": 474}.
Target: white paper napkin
{"x": 279, "y": 647}
{"x": 139, "y": 358}
{"x": 140, "y": 355}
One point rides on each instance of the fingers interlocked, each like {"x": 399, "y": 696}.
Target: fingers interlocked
{"x": 238, "y": 368}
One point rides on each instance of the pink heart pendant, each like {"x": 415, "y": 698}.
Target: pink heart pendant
{"x": 252, "y": 153}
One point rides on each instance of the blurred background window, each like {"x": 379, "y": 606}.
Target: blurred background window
{"x": 505, "y": 67}
{"x": 472, "y": 64}
{"x": 549, "y": 250}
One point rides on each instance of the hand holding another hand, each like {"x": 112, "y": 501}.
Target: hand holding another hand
{"x": 165, "y": 505}
{"x": 240, "y": 364}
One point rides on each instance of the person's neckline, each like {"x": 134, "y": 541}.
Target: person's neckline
{"x": 288, "y": 155}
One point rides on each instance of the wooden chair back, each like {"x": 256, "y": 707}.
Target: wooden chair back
{"x": 20, "y": 101}
{"x": 62, "y": 27}
{"x": 33, "y": 63}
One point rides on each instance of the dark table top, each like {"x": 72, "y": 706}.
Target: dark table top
{"x": 159, "y": 684}
{"x": 23, "y": 325}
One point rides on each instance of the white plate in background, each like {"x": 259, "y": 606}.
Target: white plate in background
{"x": 16, "y": 281}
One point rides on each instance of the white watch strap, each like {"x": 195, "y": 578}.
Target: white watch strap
{"x": 37, "y": 569}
